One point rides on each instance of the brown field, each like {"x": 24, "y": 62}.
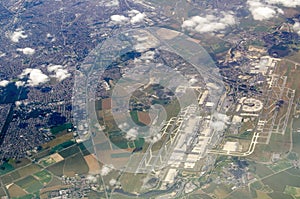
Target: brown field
{"x": 106, "y": 104}
{"x": 55, "y": 181}
{"x": 167, "y": 34}
{"x": 56, "y": 157}
{"x": 15, "y": 191}
{"x": 290, "y": 12}
{"x": 58, "y": 140}
{"x": 107, "y": 159}
{"x": 94, "y": 167}
{"x": 21, "y": 163}
{"x": 31, "y": 169}
{"x": 144, "y": 117}
{"x": 131, "y": 182}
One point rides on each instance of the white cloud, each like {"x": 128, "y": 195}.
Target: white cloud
{"x": 106, "y": 169}
{"x": 221, "y": 117}
{"x": 35, "y": 76}
{"x": 153, "y": 138}
{"x": 60, "y": 72}
{"x": 133, "y": 12}
{"x": 131, "y": 134}
{"x": 119, "y": 19}
{"x": 26, "y": 51}
{"x": 4, "y": 83}
{"x": 112, "y": 182}
{"x": 138, "y": 18}
{"x": 19, "y": 83}
{"x": 91, "y": 178}
{"x": 266, "y": 9}
{"x": 17, "y": 35}
{"x": 209, "y": 23}
{"x": 134, "y": 17}
{"x": 220, "y": 122}
{"x": 109, "y": 3}
{"x": 285, "y": 3}
{"x": 296, "y": 28}
{"x": 218, "y": 125}
{"x": 18, "y": 103}
{"x": 261, "y": 11}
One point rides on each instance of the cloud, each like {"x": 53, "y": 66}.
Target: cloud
{"x": 131, "y": 134}
{"x": 296, "y": 28}
{"x": 221, "y": 117}
{"x": 220, "y": 122}
{"x": 18, "y": 103}
{"x": 35, "y": 76}
{"x": 134, "y": 17}
{"x": 263, "y": 10}
{"x": 91, "y": 178}
{"x": 17, "y": 35}
{"x": 119, "y": 19}
{"x": 19, "y": 83}
{"x": 218, "y": 125}
{"x": 26, "y": 51}
{"x": 4, "y": 83}
{"x": 137, "y": 18}
{"x": 106, "y": 169}
{"x": 153, "y": 138}
{"x": 112, "y": 182}
{"x": 209, "y": 23}
{"x": 285, "y": 3}
{"x": 109, "y": 3}
{"x": 60, "y": 72}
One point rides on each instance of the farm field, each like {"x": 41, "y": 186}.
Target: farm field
{"x": 75, "y": 165}
{"x": 43, "y": 176}
{"x": 30, "y": 184}
{"x": 16, "y": 191}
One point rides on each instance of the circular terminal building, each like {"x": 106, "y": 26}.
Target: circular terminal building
{"x": 252, "y": 105}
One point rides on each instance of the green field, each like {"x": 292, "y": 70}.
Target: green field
{"x": 28, "y": 196}
{"x": 5, "y": 168}
{"x": 120, "y": 155}
{"x": 278, "y": 181}
{"x": 7, "y": 179}
{"x": 281, "y": 165}
{"x": 57, "y": 168}
{"x": 30, "y": 184}
{"x": 69, "y": 151}
{"x": 293, "y": 171}
{"x": 197, "y": 196}
{"x": 135, "y": 118}
{"x": 240, "y": 194}
{"x": 87, "y": 147}
{"x": 55, "y": 181}
{"x": 296, "y": 141}
{"x": 260, "y": 170}
{"x": 47, "y": 162}
{"x": 292, "y": 191}
{"x": 58, "y": 129}
{"x": 62, "y": 146}
{"x": 257, "y": 185}
{"x": 2, "y": 192}
{"x": 28, "y": 170}
{"x": 277, "y": 195}
{"x": 20, "y": 173}
{"x": 75, "y": 164}
{"x": 131, "y": 182}
{"x": 43, "y": 176}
